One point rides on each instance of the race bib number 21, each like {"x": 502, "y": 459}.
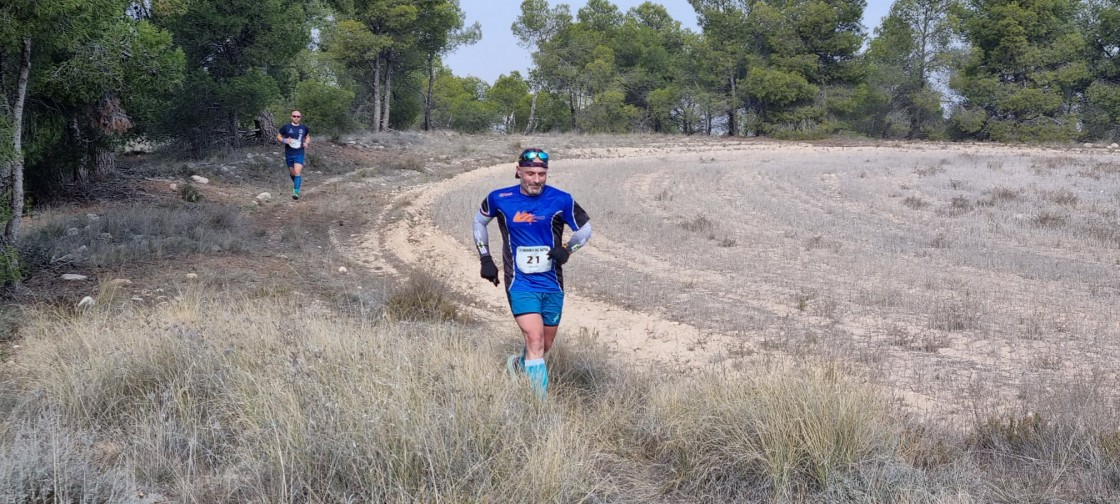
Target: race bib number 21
{"x": 533, "y": 259}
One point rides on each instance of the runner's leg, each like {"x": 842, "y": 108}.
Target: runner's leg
{"x": 532, "y": 327}
{"x": 297, "y": 179}
{"x": 549, "y": 337}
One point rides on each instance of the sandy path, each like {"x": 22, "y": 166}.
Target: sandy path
{"x": 409, "y": 239}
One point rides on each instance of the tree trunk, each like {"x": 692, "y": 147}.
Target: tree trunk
{"x": 234, "y": 134}
{"x": 11, "y": 228}
{"x": 531, "y": 124}
{"x": 377, "y": 94}
{"x": 81, "y": 170}
{"x": 266, "y": 126}
{"x": 572, "y": 110}
{"x": 388, "y": 94}
{"x": 732, "y": 127}
{"x": 428, "y": 97}
{"x": 104, "y": 162}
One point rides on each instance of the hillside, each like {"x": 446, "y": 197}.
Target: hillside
{"x": 752, "y": 321}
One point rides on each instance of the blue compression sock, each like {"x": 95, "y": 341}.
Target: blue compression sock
{"x": 537, "y": 371}
{"x": 298, "y": 179}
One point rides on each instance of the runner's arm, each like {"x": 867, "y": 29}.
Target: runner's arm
{"x": 580, "y": 237}
{"x": 481, "y": 236}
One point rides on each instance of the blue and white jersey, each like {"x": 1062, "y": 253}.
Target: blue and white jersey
{"x": 297, "y": 133}
{"x": 531, "y": 226}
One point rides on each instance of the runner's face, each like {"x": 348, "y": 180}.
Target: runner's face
{"x": 296, "y": 116}
{"x": 532, "y": 179}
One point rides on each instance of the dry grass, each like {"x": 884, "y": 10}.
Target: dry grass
{"x": 423, "y": 298}
{"x": 118, "y": 234}
{"x": 212, "y": 401}
{"x": 207, "y": 400}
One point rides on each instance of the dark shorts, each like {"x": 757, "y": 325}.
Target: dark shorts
{"x": 292, "y": 159}
{"x": 548, "y": 304}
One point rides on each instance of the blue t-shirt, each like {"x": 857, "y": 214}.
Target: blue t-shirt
{"x": 531, "y": 226}
{"x": 299, "y": 133}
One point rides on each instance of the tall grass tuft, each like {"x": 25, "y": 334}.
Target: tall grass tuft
{"x": 774, "y": 436}
{"x": 44, "y": 461}
{"x": 422, "y": 298}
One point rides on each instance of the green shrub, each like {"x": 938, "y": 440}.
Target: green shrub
{"x": 189, "y": 193}
{"x": 325, "y": 108}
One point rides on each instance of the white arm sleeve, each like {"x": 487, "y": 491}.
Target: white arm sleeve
{"x": 580, "y": 237}
{"x": 481, "y": 236}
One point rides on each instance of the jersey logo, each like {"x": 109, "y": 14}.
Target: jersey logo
{"x": 505, "y": 194}
{"x": 525, "y": 217}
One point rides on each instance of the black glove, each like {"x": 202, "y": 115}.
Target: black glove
{"x": 489, "y": 269}
{"x": 559, "y": 255}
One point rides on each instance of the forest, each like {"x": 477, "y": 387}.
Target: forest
{"x": 83, "y": 79}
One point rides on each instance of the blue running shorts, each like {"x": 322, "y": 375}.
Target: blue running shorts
{"x": 548, "y": 304}
{"x": 292, "y": 159}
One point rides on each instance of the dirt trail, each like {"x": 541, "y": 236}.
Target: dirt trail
{"x": 409, "y": 239}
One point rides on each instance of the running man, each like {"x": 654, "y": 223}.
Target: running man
{"x": 295, "y": 137}
{"x": 531, "y": 217}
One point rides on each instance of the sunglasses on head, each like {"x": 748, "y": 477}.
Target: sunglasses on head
{"x": 534, "y": 156}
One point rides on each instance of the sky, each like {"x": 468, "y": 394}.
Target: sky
{"x": 498, "y": 53}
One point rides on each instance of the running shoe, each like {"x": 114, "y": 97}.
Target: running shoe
{"x": 295, "y": 194}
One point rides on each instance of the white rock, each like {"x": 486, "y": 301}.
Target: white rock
{"x": 92, "y": 217}
{"x": 86, "y": 302}
{"x": 73, "y": 277}
{"x": 1087, "y": 144}
{"x": 1113, "y": 146}
{"x": 264, "y": 197}
{"x": 174, "y": 187}
{"x": 72, "y": 231}
{"x": 120, "y": 282}
{"x": 200, "y": 179}
{"x": 82, "y": 249}
{"x": 138, "y": 299}
{"x": 342, "y": 269}
{"x": 192, "y": 276}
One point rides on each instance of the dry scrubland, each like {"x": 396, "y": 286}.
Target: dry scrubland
{"x": 890, "y": 323}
